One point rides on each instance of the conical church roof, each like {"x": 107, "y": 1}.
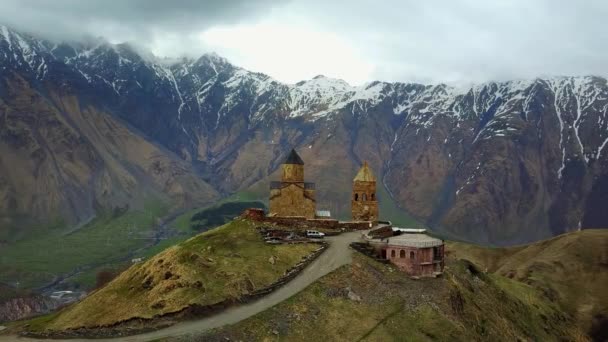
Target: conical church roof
{"x": 365, "y": 174}
{"x": 294, "y": 158}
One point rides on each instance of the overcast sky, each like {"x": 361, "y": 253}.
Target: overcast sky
{"x": 429, "y": 41}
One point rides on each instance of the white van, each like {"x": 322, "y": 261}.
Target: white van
{"x": 313, "y": 234}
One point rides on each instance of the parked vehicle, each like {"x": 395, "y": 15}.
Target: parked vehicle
{"x": 313, "y": 234}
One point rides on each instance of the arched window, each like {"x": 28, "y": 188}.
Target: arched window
{"x": 364, "y": 197}
{"x": 373, "y": 197}
{"x": 402, "y": 254}
{"x": 356, "y": 197}
{"x": 412, "y": 255}
{"x": 393, "y": 253}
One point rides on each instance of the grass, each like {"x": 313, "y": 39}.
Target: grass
{"x": 246, "y": 196}
{"x": 104, "y": 243}
{"x": 220, "y": 214}
{"x": 421, "y": 323}
{"x": 7, "y": 292}
{"x": 201, "y": 219}
{"x": 569, "y": 270}
{"x": 38, "y": 259}
{"x": 533, "y": 292}
{"x": 222, "y": 264}
{"x": 465, "y": 305}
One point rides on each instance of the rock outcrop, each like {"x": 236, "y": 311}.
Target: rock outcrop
{"x": 19, "y": 308}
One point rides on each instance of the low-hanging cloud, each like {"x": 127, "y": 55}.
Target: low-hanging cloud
{"x": 400, "y": 40}
{"x": 136, "y": 20}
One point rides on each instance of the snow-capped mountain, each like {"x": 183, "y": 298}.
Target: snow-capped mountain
{"x": 501, "y": 162}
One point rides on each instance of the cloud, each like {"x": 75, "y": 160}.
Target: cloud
{"x": 288, "y": 52}
{"x": 454, "y": 41}
{"x": 472, "y": 40}
{"x": 141, "y": 20}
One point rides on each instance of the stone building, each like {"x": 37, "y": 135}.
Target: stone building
{"x": 292, "y": 197}
{"x": 416, "y": 254}
{"x": 364, "y": 202}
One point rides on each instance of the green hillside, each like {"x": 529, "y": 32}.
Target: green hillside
{"x": 49, "y": 254}
{"x": 552, "y": 290}
{"x": 223, "y": 264}
{"x": 370, "y": 301}
{"x": 570, "y": 269}
{"x": 108, "y": 242}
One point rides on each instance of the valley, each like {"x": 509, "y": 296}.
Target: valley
{"x": 58, "y": 260}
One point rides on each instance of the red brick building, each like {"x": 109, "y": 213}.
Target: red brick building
{"x": 418, "y": 255}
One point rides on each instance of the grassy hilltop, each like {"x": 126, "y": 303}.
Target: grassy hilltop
{"x": 570, "y": 269}
{"x": 370, "y": 301}
{"x": 553, "y": 290}
{"x": 223, "y": 264}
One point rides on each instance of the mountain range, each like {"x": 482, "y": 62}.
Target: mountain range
{"x": 90, "y": 126}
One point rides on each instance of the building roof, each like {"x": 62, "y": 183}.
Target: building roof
{"x": 294, "y": 158}
{"x": 365, "y": 174}
{"x": 414, "y": 240}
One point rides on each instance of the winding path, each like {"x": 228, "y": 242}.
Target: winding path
{"x": 336, "y": 255}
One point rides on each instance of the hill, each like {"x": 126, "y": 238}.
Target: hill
{"x": 218, "y": 267}
{"x": 370, "y": 301}
{"x": 570, "y": 269}
{"x": 550, "y": 291}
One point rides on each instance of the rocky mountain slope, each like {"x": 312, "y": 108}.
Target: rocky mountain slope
{"x": 65, "y": 156}
{"x": 498, "y": 163}
{"x": 20, "y": 308}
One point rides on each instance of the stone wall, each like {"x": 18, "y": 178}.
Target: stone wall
{"x": 292, "y": 200}
{"x": 381, "y": 233}
{"x": 302, "y": 222}
{"x": 324, "y": 223}
{"x": 356, "y": 225}
{"x": 254, "y": 214}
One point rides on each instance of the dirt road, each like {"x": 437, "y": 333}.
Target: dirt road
{"x": 336, "y": 255}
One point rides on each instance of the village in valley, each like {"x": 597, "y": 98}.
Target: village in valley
{"x": 293, "y": 213}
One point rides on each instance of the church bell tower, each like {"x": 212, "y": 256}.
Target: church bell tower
{"x": 364, "y": 201}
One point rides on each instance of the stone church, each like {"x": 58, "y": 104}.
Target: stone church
{"x": 292, "y": 196}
